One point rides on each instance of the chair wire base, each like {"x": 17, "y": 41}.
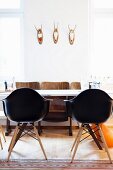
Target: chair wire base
{"x": 78, "y": 137}
{"x": 18, "y": 133}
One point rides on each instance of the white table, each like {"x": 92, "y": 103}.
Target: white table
{"x": 49, "y": 93}
{"x": 66, "y": 92}
{"x": 59, "y": 92}
{"x": 56, "y": 93}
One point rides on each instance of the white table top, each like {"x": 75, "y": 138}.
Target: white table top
{"x": 57, "y": 93}
{"x": 66, "y": 92}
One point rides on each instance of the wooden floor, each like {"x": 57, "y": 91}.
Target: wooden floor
{"x": 57, "y": 144}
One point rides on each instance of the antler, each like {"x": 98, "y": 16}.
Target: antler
{"x": 72, "y": 29}
{"x": 55, "y": 27}
{"x": 68, "y": 27}
{"x": 39, "y": 28}
{"x": 35, "y": 27}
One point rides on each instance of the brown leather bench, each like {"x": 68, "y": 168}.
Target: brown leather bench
{"x": 57, "y": 111}
{"x": 75, "y": 85}
{"x": 33, "y": 85}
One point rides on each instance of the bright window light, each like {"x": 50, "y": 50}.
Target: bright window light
{"x": 11, "y": 39}
{"x": 9, "y": 46}
{"x": 103, "y": 3}
{"x": 9, "y": 4}
{"x": 101, "y": 38}
{"x": 103, "y": 47}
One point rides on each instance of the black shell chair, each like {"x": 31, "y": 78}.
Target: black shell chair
{"x": 25, "y": 106}
{"x": 92, "y": 106}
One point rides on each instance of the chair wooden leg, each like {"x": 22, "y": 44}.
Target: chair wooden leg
{"x": 93, "y": 136}
{"x": 76, "y": 139}
{"x": 21, "y": 130}
{"x": 37, "y": 135}
{"x": 1, "y": 143}
{"x": 15, "y": 132}
{"x": 70, "y": 127}
{"x": 13, "y": 142}
{"x": 104, "y": 143}
{"x": 77, "y": 142}
{"x": 2, "y": 133}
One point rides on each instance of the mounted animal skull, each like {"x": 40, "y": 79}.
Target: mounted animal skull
{"x": 39, "y": 35}
{"x": 71, "y": 35}
{"x": 55, "y": 34}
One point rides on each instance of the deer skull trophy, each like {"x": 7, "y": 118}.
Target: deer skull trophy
{"x": 39, "y": 35}
{"x": 55, "y": 34}
{"x": 71, "y": 35}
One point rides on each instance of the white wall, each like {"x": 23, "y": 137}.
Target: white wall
{"x": 61, "y": 61}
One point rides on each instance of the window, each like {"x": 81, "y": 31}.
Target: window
{"x": 9, "y": 4}
{"x": 101, "y": 38}
{"x": 103, "y": 4}
{"x": 11, "y": 53}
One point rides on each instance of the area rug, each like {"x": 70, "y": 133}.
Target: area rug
{"x": 35, "y": 164}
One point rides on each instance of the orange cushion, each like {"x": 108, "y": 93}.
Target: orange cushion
{"x": 108, "y": 135}
{"x": 107, "y": 132}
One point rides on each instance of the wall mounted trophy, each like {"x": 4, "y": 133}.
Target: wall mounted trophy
{"x": 71, "y": 35}
{"x": 39, "y": 35}
{"x": 55, "y": 34}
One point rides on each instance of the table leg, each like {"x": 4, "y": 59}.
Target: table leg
{"x": 70, "y": 127}
{"x": 8, "y": 127}
{"x": 39, "y": 128}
